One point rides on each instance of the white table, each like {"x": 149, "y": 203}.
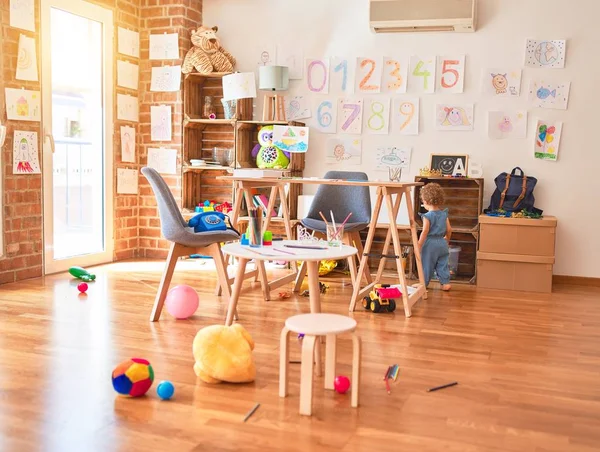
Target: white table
{"x": 265, "y": 253}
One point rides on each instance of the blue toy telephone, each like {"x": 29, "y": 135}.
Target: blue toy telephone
{"x": 210, "y": 221}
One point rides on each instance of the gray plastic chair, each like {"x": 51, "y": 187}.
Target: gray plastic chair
{"x": 341, "y": 200}
{"x": 184, "y": 241}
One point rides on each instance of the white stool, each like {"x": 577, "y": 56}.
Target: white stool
{"x": 313, "y": 326}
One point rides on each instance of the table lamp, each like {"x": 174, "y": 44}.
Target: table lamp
{"x": 273, "y": 78}
{"x": 241, "y": 85}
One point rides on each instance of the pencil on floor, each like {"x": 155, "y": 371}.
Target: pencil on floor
{"x": 251, "y": 412}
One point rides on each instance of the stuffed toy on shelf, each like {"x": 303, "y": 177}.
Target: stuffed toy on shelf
{"x": 268, "y": 155}
{"x": 206, "y": 54}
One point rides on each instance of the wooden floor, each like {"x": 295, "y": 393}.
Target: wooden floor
{"x": 528, "y": 368}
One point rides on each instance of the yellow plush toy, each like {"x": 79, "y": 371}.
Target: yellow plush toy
{"x": 224, "y": 353}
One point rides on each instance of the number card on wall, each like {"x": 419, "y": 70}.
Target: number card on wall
{"x": 405, "y": 115}
{"x": 422, "y": 74}
{"x": 317, "y": 75}
{"x": 368, "y": 75}
{"x": 350, "y": 115}
{"x": 395, "y": 74}
{"x": 342, "y": 76}
{"x": 451, "y": 74}
{"x": 377, "y": 115}
{"x": 325, "y": 115}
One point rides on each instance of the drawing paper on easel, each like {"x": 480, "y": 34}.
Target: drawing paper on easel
{"x": 392, "y": 156}
{"x": 325, "y": 119}
{"x": 22, "y": 104}
{"x": 547, "y": 139}
{"x": 127, "y": 74}
{"x": 405, "y": 115}
{"x": 160, "y": 123}
{"x": 341, "y": 150}
{"x": 501, "y": 82}
{"x": 22, "y": 14}
{"x": 546, "y": 54}
{"x": 128, "y": 42}
{"x": 376, "y": 118}
{"x": 549, "y": 95}
{"x": 27, "y": 60}
{"x": 127, "y": 108}
{"x": 127, "y": 144}
{"x": 507, "y": 124}
{"x": 395, "y": 75}
{"x": 127, "y": 181}
{"x": 163, "y": 160}
{"x": 25, "y": 153}
{"x": 293, "y": 59}
{"x": 297, "y": 107}
{"x": 166, "y": 78}
{"x": 164, "y": 46}
{"x": 454, "y": 116}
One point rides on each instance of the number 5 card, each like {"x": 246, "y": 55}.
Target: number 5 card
{"x": 451, "y": 74}
{"x": 421, "y": 77}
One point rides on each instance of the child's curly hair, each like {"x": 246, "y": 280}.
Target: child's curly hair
{"x": 433, "y": 194}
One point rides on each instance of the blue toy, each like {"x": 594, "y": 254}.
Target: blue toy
{"x": 208, "y": 221}
{"x": 165, "y": 390}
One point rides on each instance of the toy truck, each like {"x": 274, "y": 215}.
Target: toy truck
{"x": 382, "y": 297}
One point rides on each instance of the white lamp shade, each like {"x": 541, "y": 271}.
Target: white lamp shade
{"x": 241, "y": 85}
{"x": 273, "y": 78}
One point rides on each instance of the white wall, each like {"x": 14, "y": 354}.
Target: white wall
{"x": 340, "y": 28}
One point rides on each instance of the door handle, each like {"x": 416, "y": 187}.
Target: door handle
{"x": 50, "y": 138}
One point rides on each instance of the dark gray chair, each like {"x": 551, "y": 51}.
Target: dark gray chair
{"x": 341, "y": 200}
{"x": 184, "y": 241}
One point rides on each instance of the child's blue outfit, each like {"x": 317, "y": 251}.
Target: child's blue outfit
{"x": 435, "y": 253}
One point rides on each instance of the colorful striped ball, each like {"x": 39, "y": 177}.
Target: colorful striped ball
{"x": 133, "y": 377}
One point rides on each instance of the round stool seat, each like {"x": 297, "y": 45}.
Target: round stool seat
{"x": 320, "y": 324}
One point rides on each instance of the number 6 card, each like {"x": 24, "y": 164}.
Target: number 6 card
{"x": 451, "y": 74}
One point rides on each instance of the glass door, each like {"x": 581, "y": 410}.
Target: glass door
{"x": 77, "y": 109}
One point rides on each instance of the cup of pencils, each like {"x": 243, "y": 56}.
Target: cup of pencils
{"x": 255, "y": 233}
{"x": 334, "y": 235}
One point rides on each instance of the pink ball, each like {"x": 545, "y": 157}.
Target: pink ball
{"x": 182, "y": 301}
{"x": 341, "y": 384}
{"x": 82, "y": 287}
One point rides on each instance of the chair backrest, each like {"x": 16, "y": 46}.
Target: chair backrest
{"x": 342, "y": 199}
{"x": 171, "y": 220}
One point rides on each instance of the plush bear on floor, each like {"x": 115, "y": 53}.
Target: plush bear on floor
{"x": 224, "y": 353}
{"x": 206, "y": 54}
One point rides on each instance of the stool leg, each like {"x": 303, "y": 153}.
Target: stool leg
{"x": 306, "y": 375}
{"x": 355, "y": 369}
{"x": 330, "y": 359}
{"x": 284, "y": 362}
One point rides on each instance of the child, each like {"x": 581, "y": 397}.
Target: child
{"x": 434, "y": 239}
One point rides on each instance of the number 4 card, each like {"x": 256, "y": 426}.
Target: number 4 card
{"x": 451, "y": 74}
{"x": 421, "y": 77}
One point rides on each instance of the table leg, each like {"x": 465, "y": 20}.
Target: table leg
{"x": 270, "y": 207}
{"x": 300, "y": 277}
{"x": 284, "y": 361}
{"x": 264, "y": 282}
{"x": 356, "y": 361}
{"x": 415, "y": 241}
{"x": 315, "y": 303}
{"x": 237, "y": 287}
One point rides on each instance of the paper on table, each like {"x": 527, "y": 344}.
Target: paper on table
{"x": 27, "y": 61}
{"x": 22, "y": 104}
{"x": 22, "y": 14}
{"x": 164, "y": 46}
{"x": 127, "y": 181}
{"x": 127, "y": 108}
{"x": 163, "y": 160}
{"x": 166, "y": 78}
{"x": 127, "y": 144}
{"x": 127, "y": 74}
{"x": 128, "y": 42}
{"x": 160, "y": 123}
{"x": 25, "y": 153}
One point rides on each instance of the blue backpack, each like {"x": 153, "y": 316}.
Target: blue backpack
{"x": 514, "y": 192}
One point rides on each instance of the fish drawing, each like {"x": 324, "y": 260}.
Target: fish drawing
{"x": 544, "y": 93}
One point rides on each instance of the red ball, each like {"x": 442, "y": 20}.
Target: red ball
{"x": 82, "y": 287}
{"x": 341, "y": 384}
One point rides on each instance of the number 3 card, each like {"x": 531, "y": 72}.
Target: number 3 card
{"x": 451, "y": 74}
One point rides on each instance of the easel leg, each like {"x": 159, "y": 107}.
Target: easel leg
{"x": 347, "y": 240}
{"x": 388, "y": 238}
{"x": 415, "y": 241}
{"x": 357, "y": 243}
{"x": 286, "y": 212}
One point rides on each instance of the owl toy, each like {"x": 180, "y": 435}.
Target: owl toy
{"x": 266, "y": 154}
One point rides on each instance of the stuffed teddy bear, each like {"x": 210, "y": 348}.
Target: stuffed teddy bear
{"x": 268, "y": 155}
{"x": 224, "y": 353}
{"x": 206, "y": 54}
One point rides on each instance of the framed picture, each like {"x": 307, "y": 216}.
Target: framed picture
{"x": 450, "y": 164}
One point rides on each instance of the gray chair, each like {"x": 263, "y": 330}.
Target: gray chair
{"x": 184, "y": 241}
{"x": 341, "y": 200}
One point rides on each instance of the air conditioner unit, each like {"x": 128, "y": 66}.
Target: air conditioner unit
{"x": 401, "y": 16}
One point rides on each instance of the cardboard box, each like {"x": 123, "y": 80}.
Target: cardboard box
{"x": 514, "y": 272}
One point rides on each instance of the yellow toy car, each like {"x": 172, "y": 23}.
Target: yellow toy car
{"x": 382, "y": 298}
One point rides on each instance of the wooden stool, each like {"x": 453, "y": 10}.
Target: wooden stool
{"x": 313, "y": 326}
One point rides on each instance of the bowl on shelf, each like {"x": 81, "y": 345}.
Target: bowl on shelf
{"x": 224, "y": 156}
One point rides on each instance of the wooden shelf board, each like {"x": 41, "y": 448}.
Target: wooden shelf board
{"x": 211, "y": 75}
{"x": 190, "y": 122}
{"x": 207, "y": 168}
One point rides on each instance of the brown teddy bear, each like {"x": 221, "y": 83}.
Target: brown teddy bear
{"x": 206, "y": 54}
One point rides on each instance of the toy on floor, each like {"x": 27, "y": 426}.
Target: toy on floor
{"x": 323, "y": 288}
{"x": 165, "y": 390}
{"x": 284, "y": 295}
{"x": 382, "y": 298}
{"x": 133, "y": 377}
{"x": 266, "y": 154}
{"x": 224, "y": 353}
{"x": 82, "y": 287}
{"x": 182, "y": 301}
{"x": 341, "y": 384}
{"x": 81, "y": 273}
